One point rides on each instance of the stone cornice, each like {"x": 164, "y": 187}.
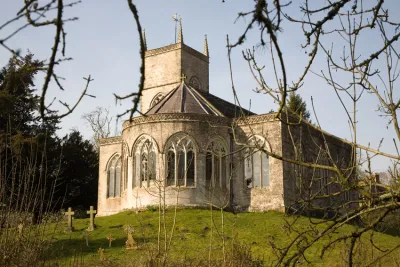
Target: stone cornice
{"x": 162, "y": 50}
{"x": 184, "y": 117}
{"x": 173, "y": 47}
{"x": 110, "y": 140}
{"x": 255, "y": 119}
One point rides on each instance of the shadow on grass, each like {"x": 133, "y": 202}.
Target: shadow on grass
{"x": 75, "y": 249}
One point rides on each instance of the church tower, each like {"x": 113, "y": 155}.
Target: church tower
{"x": 167, "y": 66}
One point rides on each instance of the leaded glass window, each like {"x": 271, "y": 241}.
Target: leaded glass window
{"x": 216, "y": 164}
{"x": 256, "y": 163}
{"x": 114, "y": 177}
{"x": 180, "y": 161}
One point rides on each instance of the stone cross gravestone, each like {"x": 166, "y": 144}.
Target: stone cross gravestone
{"x": 92, "y": 212}
{"x": 110, "y": 240}
{"x": 69, "y": 214}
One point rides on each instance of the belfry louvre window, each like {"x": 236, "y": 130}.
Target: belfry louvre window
{"x": 256, "y": 163}
{"x": 216, "y": 164}
{"x": 180, "y": 161}
{"x": 114, "y": 177}
{"x": 144, "y": 162}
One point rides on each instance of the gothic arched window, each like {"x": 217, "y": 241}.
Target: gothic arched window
{"x": 144, "y": 162}
{"x": 156, "y": 99}
{"x": 114, "y": 177}
{"x": 216, "y": 164}
{"x": 256, "y": 163}
{"x": 180, "y": 161}
{"x": 147, "y": 164}
{"x": 195, "y": 83}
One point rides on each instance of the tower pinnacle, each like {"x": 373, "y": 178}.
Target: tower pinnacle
{"x": 206, "y": 52}
{"x": 180, "y": 33}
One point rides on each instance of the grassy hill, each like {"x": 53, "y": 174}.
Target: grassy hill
{"x": 193, "y": 230}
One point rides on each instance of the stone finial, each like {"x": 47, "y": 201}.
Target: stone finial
{"x": 144, "y": 39}
{"x": 206, "y": 52}
{"x": 180, "y": 32}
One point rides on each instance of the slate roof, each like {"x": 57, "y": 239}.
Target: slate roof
{"x": 186, "y": 99}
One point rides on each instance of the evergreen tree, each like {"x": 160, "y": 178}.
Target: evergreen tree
{"x": 79, "y": 171}
{"x": 29, "y": 148}
{"x": 296, "y": 104}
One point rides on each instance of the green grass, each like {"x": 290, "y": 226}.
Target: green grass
{"x": 191, "y": 238}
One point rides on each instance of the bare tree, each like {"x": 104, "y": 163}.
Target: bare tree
{"x": 375, "y": 72}
{"x": 99, "y": 121}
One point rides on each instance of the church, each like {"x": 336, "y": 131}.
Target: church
{"x": 191, "y": 148}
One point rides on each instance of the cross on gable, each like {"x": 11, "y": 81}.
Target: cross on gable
{"x": 183, "y": 77}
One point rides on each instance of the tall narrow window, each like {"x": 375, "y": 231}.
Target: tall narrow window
{"x": 256, "y": 164}
{"x": 190, "y": 169}
{"x": 170, "y": 168}
{"x": 114, "y": 177}
{"x": 118, "y": 178}
{"x": 111, "y": 181}
{"x": 147, "y": 164}
{"x": 126, "y": 174}
{"x": 216, "y": 163}
{"x": 209, "y": 165}
{"x": 181, "y": 161}
{"x": 181, "y": 168}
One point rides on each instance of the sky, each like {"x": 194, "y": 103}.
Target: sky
{"x": 103, "y": 43}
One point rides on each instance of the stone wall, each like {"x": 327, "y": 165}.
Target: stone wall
{"x": 108, "y": 148}
{"x": 269, "y": 197}
{"x": 164, "y": 67}
{"x": 195, "y": 65}
{"x": 202, "y": 128}
{"x": 305, "y": 143}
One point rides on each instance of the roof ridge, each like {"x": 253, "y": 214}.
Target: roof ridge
{"x": 160, "y": 104}
{"x": 208, "y": 102}
{"x": 237, "y": 106}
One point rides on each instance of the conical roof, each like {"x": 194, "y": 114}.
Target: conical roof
{"x": 186, "y": 99}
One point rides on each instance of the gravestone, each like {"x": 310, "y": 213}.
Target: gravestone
{"x": 130, "y": 243}
{"x": 102, "y": 254}
{"x": 86, "y": 234}
{"x": 110, "y": 240}
{"x": 69, "y": 214}
{"x": 20, "y": 229}
{"x": 92, "y": 212}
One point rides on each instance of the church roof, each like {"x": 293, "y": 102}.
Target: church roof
{"x": 186, "y": 99}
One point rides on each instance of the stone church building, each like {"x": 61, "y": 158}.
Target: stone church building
{"x": 192, "y": 148}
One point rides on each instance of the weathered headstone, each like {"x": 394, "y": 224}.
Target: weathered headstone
{"x": 130, "y": 243}
{"x": 110, "y": 240}
{"x": 69, "y": 214}
{"x": 20, "y": 229}
{"x": 92, "y": 212}
{"x": 102, "y": 254}
{"x": 86, "y": 234}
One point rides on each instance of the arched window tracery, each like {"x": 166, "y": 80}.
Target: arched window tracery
{"x": 216, "y": 164}
{"x": 114, "y": 177}
{"x": 156, "y": 99}
{"x": 256, "y": 163}
{"x": 180, "y": 161}
{"x": 147, "y": 164}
